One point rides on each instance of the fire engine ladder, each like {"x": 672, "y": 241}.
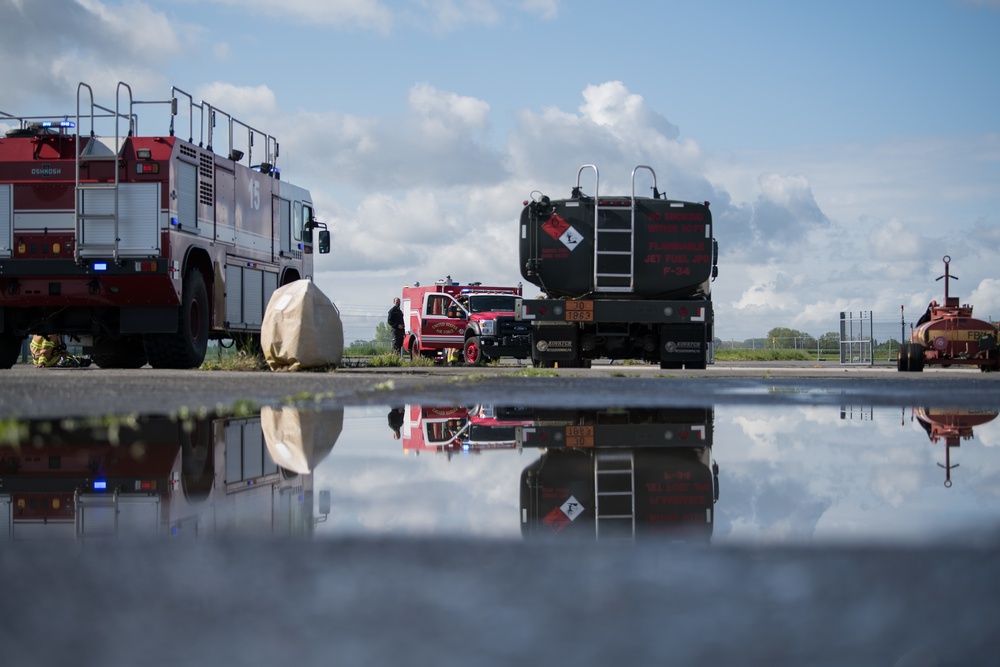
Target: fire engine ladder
{"x": 96, "y": 212}
{"x": 102, "y": 514}
{"x": 614, "y": 494}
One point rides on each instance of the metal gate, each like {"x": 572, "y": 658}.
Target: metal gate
{"x": 856, "y": 338}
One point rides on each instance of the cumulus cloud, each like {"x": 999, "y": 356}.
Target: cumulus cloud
{"x": 85, "y": 40}
{"x": 364, "y": 14}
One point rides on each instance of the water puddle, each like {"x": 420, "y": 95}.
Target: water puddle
{"x": 723, "y": 474}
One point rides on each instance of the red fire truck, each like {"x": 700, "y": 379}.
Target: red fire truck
{"x": 457, "y": 429}
{"x": 474, "y": 319}
{"x": 142, "y": 247}
{"x": 160, "y": 477}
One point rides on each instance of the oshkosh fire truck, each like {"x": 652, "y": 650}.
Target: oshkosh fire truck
{"x": 473, "y": 319}
{"x": 159, "y": 477}
{"x": 625, "y": 277}
{"x": 140, "y": 246}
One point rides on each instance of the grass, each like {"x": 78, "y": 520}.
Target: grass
{"x": 764, "y": 355}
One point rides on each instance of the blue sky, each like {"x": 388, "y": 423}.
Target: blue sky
{"x": 845, "y": 147}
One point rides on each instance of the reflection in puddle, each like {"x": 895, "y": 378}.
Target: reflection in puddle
{"x": 158, "y": 476}
{"x": 788, "y": 474}
{"x": 601, "y": 474}
{"x": 951, "y": 427}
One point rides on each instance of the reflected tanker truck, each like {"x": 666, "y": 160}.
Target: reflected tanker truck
{"x": 620, "y": 475}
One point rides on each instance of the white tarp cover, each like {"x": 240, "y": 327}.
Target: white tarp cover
{"x": 302, "y": 329}
{"x": 299, "y": 439}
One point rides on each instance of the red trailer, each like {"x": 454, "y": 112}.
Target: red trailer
{"x": 947, "y": 334}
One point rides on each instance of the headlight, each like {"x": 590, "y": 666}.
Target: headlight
{"x": 488, "y": 327}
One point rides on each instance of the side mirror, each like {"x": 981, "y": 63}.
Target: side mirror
{"x": 324, "y": 241}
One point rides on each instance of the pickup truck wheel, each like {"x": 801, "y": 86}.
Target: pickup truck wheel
{"x": 472, "y": 354}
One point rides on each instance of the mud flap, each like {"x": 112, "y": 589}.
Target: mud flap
{"x": 554, "y": 342}
{"x": 683, "y": 344}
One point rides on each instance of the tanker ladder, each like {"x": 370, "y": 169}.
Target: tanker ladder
{"x": 614, "y": 236}
{"x": 614, "y": 495}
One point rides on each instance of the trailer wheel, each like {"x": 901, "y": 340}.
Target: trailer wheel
{"x": 126, "y": 352}
{"x": 10, "y": 349}
{"x": 187, "y": 347}
{"x": 472, "y": 353}
{"x": 916, "y": 357}
{"x": 903, "y": 358}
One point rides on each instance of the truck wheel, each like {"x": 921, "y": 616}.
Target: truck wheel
{"x": 10, "y": 349}
{"x": 126, "y": 352}
{"x": 472, "y": 353}
{"x": 187, "y": 347}
{"x": 916, "y": 355}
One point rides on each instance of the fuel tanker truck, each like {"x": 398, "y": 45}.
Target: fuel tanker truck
{"x": 622, "y": 276}
{"x": 947, "y": 334}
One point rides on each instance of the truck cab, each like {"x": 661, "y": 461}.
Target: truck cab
{"x": 447, "y": 319}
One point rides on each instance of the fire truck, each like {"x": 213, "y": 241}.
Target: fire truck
{"x": 624, "y": 276}
{"x": 620, "y": 475}
{"x": 160, "y": 477}
{"x": 947, "y": 334}
{"x": 474, "y": 319}
{"x": 142, "y": 247}
{"x": 457, "y": 429}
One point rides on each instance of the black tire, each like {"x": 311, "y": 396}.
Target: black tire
{"x": 10, "y": 350}
{"x": 126, "y": 352}
{"x": 916, "y": 355}
{"x": 472, "y": 354}
{"x": 903, "y": 358}
{"x": 187, "y": 347}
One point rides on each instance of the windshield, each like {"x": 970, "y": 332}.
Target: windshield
{"x": 486, "y": 303}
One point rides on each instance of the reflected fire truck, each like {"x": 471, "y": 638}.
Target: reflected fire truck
{"x": 156, "y": 476}
{"x": 951, "y": 426}
{"x": 457, "y": 429}
{"x": 620, "y": 475}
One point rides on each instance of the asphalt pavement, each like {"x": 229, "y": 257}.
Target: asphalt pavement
{"x": 443, "y": 602}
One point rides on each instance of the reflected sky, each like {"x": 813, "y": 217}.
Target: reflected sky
{"x": 809, "y": 474}
{"x": 731, "y": 474}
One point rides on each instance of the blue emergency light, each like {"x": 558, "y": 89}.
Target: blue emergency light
{"x": 100, "y": 266}
{"x": 100, "y": 485}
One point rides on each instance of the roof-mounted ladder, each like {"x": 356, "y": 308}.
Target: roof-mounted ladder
{"x": 614, "y": 236}
{"x": 96, "y": 214}
{"x": 614, "y": 494}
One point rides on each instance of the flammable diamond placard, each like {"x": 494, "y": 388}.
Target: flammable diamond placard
{"x": 562, "y": 231}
